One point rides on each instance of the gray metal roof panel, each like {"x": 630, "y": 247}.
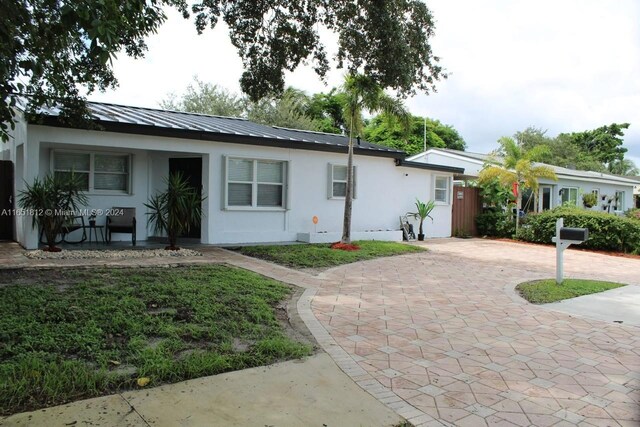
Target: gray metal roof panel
{"x": 177, "y": 120}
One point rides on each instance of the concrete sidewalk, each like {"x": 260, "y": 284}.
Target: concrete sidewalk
{"x": 313, "y": 392}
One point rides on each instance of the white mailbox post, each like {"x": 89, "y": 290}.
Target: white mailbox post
{"x": 564, "y": 238}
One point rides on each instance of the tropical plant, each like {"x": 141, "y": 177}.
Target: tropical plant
{"x": 517, "y": 167}
{"x": 52, "y": 203}
{"x": 423, "y": 211}
{"x": 175, "y": 210}
{"x": 589, "y": 200}
{"x": 364, "y": 93}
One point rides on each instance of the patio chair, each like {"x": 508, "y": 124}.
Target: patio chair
{"x": 70, "y": 225}
{"x": 125, "y": 223}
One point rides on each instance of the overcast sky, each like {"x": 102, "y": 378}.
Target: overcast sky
{"x": 564, "y": 66}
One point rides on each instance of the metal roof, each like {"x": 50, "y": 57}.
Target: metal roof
{"x": 122, "y": 118}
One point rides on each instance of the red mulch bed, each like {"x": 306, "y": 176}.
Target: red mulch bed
{"x": 345, "y": 247}
{"x": 576, "y": 247}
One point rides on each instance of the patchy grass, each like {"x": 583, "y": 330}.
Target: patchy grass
{"x": 67, "y": 335}
{"x": 322, "y": 256}
{"x": 545, "y": 291}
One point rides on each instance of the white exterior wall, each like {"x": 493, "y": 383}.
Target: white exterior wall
{"x": 384, "y": 191}
{"x": 604, "y": 189}
{"x": 471, "y": 167}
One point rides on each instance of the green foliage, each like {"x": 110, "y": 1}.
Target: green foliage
{"x": 606, "y": 232}
{"x": 423, "y": 211}
{"x": 53, "y": 201}
{"x": 390, "y": 133}
{"x": 206, "y": 98}
{"x": 633, "y": 214}
{"x": 603, "y": 144}
{"x": 496, "y": 223}
{"x": 495, "y": 194}
{"x": 546, "y": 291}
{"x": 52, "y": 49}
{"x": 589, "y": 200}
{"x": 326, "y": 109}
{"x": 597, "y": 150}
{"x": 70, "y": 335}
{"x": 176, "y": 209}
{"x": 322, "y": 256}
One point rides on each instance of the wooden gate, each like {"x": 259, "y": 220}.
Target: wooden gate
{"x": 466, "y": 205}
{"x": 6, "y": 200}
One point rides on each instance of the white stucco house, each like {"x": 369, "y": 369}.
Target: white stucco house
{"x": 569, "y": 187}
{"x": 262, "y": 183}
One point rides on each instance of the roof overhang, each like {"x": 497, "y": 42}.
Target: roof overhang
{"x": 429, "y": 166}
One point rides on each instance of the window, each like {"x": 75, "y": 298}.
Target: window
{"x": 619, "y": 201}
{"x": 569, "y": 195}
{"x": 441, "y": 190}
{"x": 100, "y": 172}
{"x": 255, "y": 183}
{"x": 337, "y": 184}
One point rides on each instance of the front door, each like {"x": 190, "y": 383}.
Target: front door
{"x": 6, "y": 200}
{"x": 191, "y": 168}
{"x": 545, "y": 198}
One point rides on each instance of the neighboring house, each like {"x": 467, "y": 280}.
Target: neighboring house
{"x": 569, "y": 187}
{"x": 636, "y": 191}
{"x": 262, "y": 183}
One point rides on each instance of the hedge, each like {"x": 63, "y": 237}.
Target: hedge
{"x": 495, "y": 224}
{"x": 606, "y": 231}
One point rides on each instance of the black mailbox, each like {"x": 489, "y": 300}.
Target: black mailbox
{"x": 579, "y": 234}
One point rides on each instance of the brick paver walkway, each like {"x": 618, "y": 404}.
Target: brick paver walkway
{"x": 442, "y": 338}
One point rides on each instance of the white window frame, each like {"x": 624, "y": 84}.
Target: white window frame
{"x": 569, "y": 189}
{"x": 254, "y": 183}
{"x": 447, "y": 189}
{"x": 620, "y": 201}
{"x": 331, "y": 180}
{"x": 92, "y": 171}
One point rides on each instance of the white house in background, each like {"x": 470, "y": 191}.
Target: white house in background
{"x": 262, "y": 183}
{"x": 569, "y": 187}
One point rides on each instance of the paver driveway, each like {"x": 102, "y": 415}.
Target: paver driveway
{"x": 442, "y": 338}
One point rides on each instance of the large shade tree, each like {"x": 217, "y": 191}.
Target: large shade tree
{"x": 51, "y": 50}
{"x": 517, "y": 166}
{"x": 363, "y": 93}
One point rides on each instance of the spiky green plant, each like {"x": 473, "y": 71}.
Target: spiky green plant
{"x": 53, "y": 201}
{"x": 175, "y": 210}
{"x": 423, "y": 212}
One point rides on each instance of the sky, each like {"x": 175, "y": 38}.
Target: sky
{"x": 562, "y": 66}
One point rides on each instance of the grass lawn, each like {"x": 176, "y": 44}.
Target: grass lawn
{"x": 322, "y": 256}
{"x": 72, "y": 334}
{"x": 545, "y": 291}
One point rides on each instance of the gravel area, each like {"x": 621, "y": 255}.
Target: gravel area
{"x": 111, "y": 254}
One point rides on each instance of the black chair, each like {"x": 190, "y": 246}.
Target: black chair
{"x": 124, "y": 223}
{"x": 70, "y": 225}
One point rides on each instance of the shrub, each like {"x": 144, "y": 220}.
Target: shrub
{"x": 633, "y": 214}
{"x": 495, "y": 224}
{"x": 606, "y": 232}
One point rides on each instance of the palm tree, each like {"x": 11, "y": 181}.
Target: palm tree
{"x": 623, "y": 167}
{"x": 518, "y": 167}
{"x": 363, "y": 93}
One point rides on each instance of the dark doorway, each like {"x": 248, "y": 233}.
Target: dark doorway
{"x": 546, "y": 198}
{"x": 6, "y": 200}
{"x": 191, "y": 168}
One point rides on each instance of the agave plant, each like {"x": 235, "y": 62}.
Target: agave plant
{"x": 176, "y": 209}
{"x": 423, "y": 212}
{"x": 53, "y": 202}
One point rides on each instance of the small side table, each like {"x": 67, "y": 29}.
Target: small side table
{"x": 94, "y": 229}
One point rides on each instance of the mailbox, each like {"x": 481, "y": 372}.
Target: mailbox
{"x": 575, "y": 234}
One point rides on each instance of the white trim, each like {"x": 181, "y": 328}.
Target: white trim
{"x": 92, "y": 156}
{"x": 331, "y": 181}
{"x": 447, "y": 189}
{"x": 254, "y": 185}
{"x": 569, "y": 188}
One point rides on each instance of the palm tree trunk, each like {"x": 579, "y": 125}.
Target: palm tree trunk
{"x": 348, "y": 197}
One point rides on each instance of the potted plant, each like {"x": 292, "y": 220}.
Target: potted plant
{"x": 53, "y": 202}
{"x": 92, "y": 220}
{"x": 176, "y": 209}
{"x": 423, "y": 212}
{"x": 589, "y": 200}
